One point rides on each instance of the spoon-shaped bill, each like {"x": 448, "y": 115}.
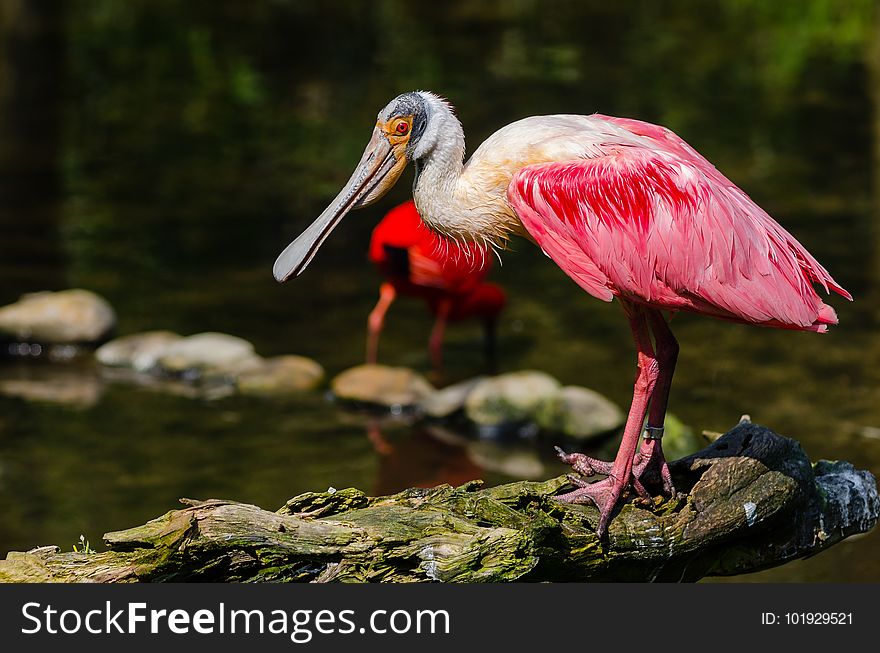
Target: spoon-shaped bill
{"x": 367, "y": 183}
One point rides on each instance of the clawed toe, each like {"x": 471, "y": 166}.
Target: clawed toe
{"x": 580, "y": 496}
{"x": 577, "y": 480}
{"x": 668, "y": 486}
{"x": 649, "y": 468}
{"x": 602, "y": 494}
{"x": 560, "y": 453}
{"x": 652, "y": 469}
{"x": 578, "y": 461}
{"x": 583, "y": 464}
{"x": 640, "y": 490}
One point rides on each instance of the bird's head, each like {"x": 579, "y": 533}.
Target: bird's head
{"x": 401, "y": 135}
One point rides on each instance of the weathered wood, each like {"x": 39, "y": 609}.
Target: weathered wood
{"x": 750, "y": 500}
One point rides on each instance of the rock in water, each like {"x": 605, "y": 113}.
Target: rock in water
{"x": 219, "y": 362}
{"x": 510, "y": 398}
{"x": 139, "y": 351}
{"x": 209, "y": 355}
{"x": 280, "y": 376}
{"x": 449, "y": 400}
{"x": 579, "y": 413}
{"x": 381, "y": 385}
{"x": 67, "y": 316}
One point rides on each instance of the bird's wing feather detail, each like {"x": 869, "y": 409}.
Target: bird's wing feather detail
{"x": 564, "y": 251}
{"x": 669, "y": 141}
{"x": 425, "y": 270}
{"x": 661, "y": 226}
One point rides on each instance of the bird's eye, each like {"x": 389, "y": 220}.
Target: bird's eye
{"x": 402, "y": 128}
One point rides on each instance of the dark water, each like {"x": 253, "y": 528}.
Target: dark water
{"x": 162, "y": 154}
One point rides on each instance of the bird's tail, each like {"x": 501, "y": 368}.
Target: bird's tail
{"x": 827, "y": 316}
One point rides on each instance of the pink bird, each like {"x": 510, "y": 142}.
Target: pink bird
{"x": 627, "y": 210}
{"x": 450, "y": 277}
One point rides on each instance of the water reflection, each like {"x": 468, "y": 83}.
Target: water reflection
{"x": 182, "y": 144}
{"x": 74, "y": 385}
{"x": 415, "y": 459}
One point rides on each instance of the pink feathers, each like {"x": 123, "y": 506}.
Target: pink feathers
{"x": 659, "y": 225}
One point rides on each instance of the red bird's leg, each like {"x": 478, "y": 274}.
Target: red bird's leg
{"x": 387, "y": 293}
{"x": 652, "y": 464}
{"x": 604, "y": 494}
{"x": 435, "y": 344}
{"x": 374, "y": 435}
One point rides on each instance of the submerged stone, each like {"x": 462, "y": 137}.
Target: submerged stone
{"x": 208, "y": 354}
{"x": 579, "y": 413}
{"x": 205, "y": 365}
{"x": 449, "y": 400}
{"x": 138, "y": 351}
{"x": 280, "y": 376}
{"x": 67, "y": 316}
{"x": 381, "y": 385}
{"x": 512, "y": 397}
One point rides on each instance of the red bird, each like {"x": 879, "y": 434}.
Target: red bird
{"x": 628, "y": 210}
{"x": 447, "y": 275}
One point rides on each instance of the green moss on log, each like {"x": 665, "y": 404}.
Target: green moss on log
{"x": 750, "y": 500}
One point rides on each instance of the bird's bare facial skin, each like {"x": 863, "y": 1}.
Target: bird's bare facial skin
{"x": 397, "y": 130}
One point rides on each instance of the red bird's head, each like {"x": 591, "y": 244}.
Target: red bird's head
{"x": 402, "y": 228}
{"x": 406, "y": 250}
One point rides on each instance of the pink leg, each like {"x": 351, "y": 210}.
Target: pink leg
{"x": 435, "y": 344}
{"x": 377, "y": 319}
{"x": 380, "y": 444}
{"x": 651, "y": 459}
{"x": 605, "y": 494}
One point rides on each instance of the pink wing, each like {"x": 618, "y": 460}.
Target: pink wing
{"x": 661, "y": 226}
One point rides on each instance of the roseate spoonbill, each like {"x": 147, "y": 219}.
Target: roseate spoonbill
{"x": 447, "y": 275}
{"x": 627, "y": 209}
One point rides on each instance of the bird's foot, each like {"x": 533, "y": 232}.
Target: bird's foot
{"x": 650, "y": 467}
{"x": 602, "y": 494}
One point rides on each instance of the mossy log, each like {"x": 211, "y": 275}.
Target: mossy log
{"x": 750, "y": 500}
